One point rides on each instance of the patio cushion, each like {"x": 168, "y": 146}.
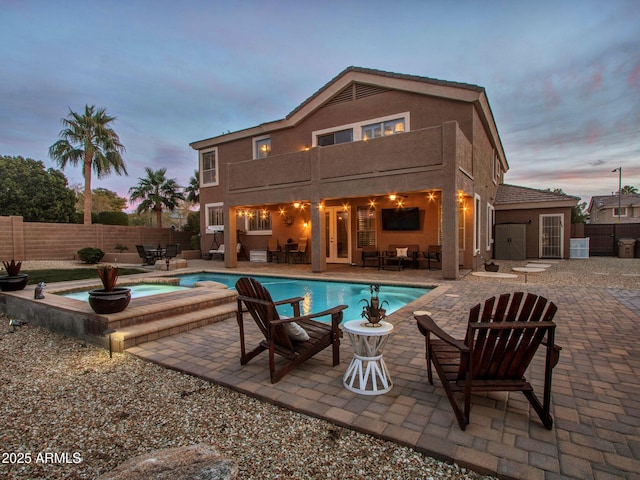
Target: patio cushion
{"x": 402, "y": 252}
{"x": 296, "y": 332}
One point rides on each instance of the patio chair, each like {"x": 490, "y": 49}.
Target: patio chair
{"x": 170, "y": 252}
{"x": 295, "y": 339}
{"x": 433, "y": 254}
{"x": 370, "y": 254}
{"x": 273, "y": 250}
{"x": 300, "y": 253}
{"x": 146, "y": 256}
{"x": 497, "y": 350}
{"x": 219, "y": 252}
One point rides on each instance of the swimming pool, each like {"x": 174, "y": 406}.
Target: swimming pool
{"x": 137, "y": 291}
{"x": 318, "y": 295}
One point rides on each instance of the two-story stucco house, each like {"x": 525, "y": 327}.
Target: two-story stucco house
{"x": 372, "y": 159}
{"x": 614, "y": 209}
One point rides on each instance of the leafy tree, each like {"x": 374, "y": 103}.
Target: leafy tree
{"x": 157, "y": 193}
{"x": 193, "y": 189}
{"x": 579, "y": 213}
{"x": 193, "y": 223}
{"x": 629, "y": 190}
{"x": 88, "y": 139}
{"x": 37, "y": 194}
{"x": 102, "y": 200}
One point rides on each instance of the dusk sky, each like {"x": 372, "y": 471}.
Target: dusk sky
{"x": 562, "y": 77}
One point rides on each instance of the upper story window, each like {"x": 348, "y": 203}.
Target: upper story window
{"x": 209, "y": 167}
{"x": 382, "y": 129}
{"x": 333, "y": 138}
{"x": 623, "y": 212}
{"x": 357, "y": 131}
{"x": 262, "y": 147}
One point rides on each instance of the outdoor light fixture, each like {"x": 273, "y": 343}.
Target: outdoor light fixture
{"x": 394, "y": 196}
{"x": 619, "y": 170}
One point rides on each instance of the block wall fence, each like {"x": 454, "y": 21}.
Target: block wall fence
{"x": 60, "y": 241}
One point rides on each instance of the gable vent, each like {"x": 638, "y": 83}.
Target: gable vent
{"x": 345, "y": 95}
{"x": 354, "y": 92}
{"x": 363, "y": 91}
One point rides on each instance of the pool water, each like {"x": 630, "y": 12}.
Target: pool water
{"x": 318, "y": 295}
{"x": 137, "y": 291}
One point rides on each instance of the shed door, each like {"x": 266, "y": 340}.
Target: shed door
{"x": 510, "y": 242}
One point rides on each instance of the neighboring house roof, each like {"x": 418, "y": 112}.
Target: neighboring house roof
{"x": 612, "y": 201}
{"x": 514, "y": 197}
{"x": 377, "y": 78}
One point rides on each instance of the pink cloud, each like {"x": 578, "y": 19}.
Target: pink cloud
{"x": 634, "y": 77}
{"x": 595, "y": 82}
{"x": 594, "y": 132}
{"x": 551, "y": 95}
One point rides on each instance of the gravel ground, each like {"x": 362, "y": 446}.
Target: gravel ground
{"x": 63, "y": 397}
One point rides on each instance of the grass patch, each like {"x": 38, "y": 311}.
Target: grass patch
{"x": 64, "y": 275}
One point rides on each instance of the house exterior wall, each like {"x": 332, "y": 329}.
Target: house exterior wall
{"x": 606, "y": 215}
{"x": 447, "y": 148}
{"x": 530, "y": 217}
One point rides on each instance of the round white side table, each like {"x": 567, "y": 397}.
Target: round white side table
{"x": 367, "y": 374}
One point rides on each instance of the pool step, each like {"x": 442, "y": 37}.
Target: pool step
{"x": 157, "y": 316}
{"x": 131, "y": 336}
{"x": 157, "y": 307}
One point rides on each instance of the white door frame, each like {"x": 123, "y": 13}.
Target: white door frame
{"x": 560, "y": 237}
{"x": 332, "y": 234}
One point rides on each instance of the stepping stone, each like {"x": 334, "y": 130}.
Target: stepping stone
{"x": 494, "y": 274}
{"x": 538, "y": 265}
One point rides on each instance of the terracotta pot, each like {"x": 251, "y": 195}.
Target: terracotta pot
{"x": 104, "y": 302}
{"x": 13, "y": 283}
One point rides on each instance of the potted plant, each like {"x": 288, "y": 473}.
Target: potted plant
{"x": 110, "y": 299}
{"x": 373, "y": 311}
{"x": 14, "y": 280}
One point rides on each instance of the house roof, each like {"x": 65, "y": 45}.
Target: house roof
{"x": 612, "y": 201}
{"x": 378, "y": 78}
{"x": 392, "y": 75}
{"x": 515, "y": 196}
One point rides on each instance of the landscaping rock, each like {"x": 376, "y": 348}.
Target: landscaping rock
{"x": 201, "y": 462}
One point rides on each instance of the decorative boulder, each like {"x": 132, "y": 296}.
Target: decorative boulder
{"x": 195, "y": 461}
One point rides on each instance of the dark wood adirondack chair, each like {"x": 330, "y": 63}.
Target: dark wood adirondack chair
{"x": 499, "y": 346}
{"x": 257, "y": 301}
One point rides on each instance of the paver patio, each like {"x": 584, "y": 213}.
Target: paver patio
{"x": 595, "y": 400}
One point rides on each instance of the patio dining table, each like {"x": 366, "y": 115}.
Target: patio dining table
{"x": 157, "y": 252}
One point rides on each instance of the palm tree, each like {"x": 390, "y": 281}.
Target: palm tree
{"x": 629, "y": 190}
{"x": 88, "y": 139}
{"x": 193, "y": 189}
{"x": 156, "y": 193}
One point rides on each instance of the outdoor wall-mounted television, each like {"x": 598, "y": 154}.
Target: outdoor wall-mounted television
{"x": 401, "y": 218}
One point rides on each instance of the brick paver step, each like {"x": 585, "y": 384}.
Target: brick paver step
{"x": 134, "y": 335}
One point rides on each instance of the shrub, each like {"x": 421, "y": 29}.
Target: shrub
{"x": 90, "y": 255}
{"x": 195, "y": 242}
{"x": 113, "y": 218}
